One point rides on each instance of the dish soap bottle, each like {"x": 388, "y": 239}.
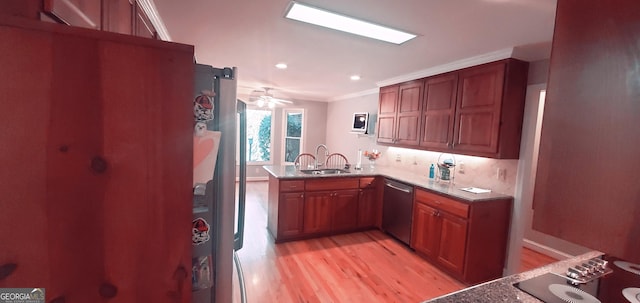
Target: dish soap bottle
{"x": 432, "y": 171}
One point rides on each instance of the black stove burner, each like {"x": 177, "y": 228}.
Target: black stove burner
{"x": 619, "y": 285}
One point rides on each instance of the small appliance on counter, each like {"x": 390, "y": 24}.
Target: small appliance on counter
{"x": 604, "y": 279}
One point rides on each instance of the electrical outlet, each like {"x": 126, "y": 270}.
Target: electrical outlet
{"x": 461, "y": 168}
{"x": 501, "y": 174}
{"x": 398, "y": 158}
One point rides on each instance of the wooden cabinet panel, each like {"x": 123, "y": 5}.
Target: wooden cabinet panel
{"x": 291, "y": 214}
{"x": 467, "y": 240}
{"x": 344, "y": 210}
{"x": 439, "y": 104}
{"x": 142, "y": 26}
{"x": 117, "y": 16}
{"x": 387, "y": 108}
{"x": 425, "y": 233}
{"x": 408, "y": 113}
{"x": 291, "y": 185}
{"x": 317, "y": 212}
{"x": 102, "y": 168}
{"x": 453, "y": 242}
{"x": 81, "y": 13}
{"x": 590, "y": 121}
{"x": 478, "y": 108}
{"x": 368, "y": 208}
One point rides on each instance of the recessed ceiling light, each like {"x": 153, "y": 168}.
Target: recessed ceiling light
{"x": 281, "y": 65}
{"x": 355, "y": 77}
{"x": 309, "y": 14}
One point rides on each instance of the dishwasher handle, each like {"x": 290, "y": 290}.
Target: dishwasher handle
{"x": 407, "y": 190}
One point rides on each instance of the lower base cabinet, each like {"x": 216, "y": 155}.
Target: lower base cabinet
{"x": 468, "y": 240}
{"x": 300, "y": 209}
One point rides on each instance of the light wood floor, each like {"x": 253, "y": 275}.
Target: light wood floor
{"x": 358, "y": 267}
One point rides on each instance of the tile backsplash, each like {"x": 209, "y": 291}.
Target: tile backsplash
{"x": 478, "y": 171}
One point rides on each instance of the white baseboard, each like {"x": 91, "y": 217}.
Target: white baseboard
{"x": 543, "y": 249}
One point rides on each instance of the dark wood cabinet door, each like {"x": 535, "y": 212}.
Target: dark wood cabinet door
{"x": 368, "y": 208}
{"x": 478, "y": 109}
{"x": 317, "y": 212}
{"x": 409, "y": 112}
{"x": 387, "y": 108}
{"x": 590, "y": 121}
{"x": 425, "y": 233}
{"x": 453, "y": 241}
{"x": 291, "y": 214}
{"x": 117, "y": 16}
{"x": 438, "y": 111}
{"x": 81, "y": 13}
{"x": 142, "y": 26}
{"x": 344, "y": 210}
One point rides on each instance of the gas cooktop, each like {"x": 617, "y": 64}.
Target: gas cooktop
{"x": 605, "y": 279}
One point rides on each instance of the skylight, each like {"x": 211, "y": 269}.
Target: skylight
{"x": 316, "y": 16}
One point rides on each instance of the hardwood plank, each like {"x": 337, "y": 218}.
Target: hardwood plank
{"x": 357, "y": 267}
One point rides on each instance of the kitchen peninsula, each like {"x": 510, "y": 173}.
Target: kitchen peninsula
{"x": 463, "y": 233}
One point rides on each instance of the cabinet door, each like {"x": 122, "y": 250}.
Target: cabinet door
{"x": 344, "y": 210}
{"x": 425, "y": 235}
{"x": 453, "y": 241}
{"x": 317, "y": 212}
{"x": 387, "y": 113}
{"x": 117, "y": 16}
{"x": 290, "y": 215}
{"x": 439, "y": 105}
{"x": 368, "y": 208}
{"x": 479, "y": 102}
{"x": 408, "y": 117}
{"x": 142, "y": 26}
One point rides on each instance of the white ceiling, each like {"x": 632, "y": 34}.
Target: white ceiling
{"x": 253, "y": 35}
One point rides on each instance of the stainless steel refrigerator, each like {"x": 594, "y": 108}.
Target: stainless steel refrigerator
{"x": 219, "y": 184}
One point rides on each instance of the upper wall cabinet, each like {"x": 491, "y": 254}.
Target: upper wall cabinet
{"x": 475, "y": 111}
{"x": 399, "y": 113}
{"x": 591, "y": 121}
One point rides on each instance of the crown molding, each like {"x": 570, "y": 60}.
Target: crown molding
{"x": 152, "y": 12}
{"x": 354, "y": 95}
{"x": 451, "y": 66}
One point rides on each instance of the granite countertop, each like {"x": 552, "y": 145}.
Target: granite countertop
{"x": 445, "y": 188}
{"x": 502, "y": 290}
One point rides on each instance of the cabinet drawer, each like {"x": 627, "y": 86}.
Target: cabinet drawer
{"x": 367, "y": 182}
{"x": 294, "y": 185}
{"x": 331, "y": 183}
{"x": 451, "y": 206}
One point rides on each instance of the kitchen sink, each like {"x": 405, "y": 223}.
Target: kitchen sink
{"x": 324, "y": 171}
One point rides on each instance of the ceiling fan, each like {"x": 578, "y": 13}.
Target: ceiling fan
{"x": 265, "y": 97}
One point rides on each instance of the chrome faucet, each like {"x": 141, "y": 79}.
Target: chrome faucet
{"x": 326, "y": 153}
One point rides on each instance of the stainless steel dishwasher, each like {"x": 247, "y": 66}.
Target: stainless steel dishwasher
{"x": 397, "y": 210}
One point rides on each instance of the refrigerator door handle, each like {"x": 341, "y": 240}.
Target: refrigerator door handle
{"x": 238, "y": 240}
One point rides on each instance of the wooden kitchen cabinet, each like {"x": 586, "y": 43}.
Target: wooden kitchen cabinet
{"x": 101, "y": 165}
{"x": 142, "y": 26}
{"x": 387, "y": 113}
{"x": 587, "y": 185}
{"x": 475, "y": 111}
{"x": 317, "y": 212}
{"x": 81, "y": 13}
{"x": 438, "y": 112}
{"x": 467, "y": 239}
{"x": 117, "y": 16}
{"x": 369, "y": 203}
{"x": 400, "y": 113}
{"x": 312, "y": 207}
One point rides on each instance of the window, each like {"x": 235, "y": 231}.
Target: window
{"x": 259, "y": 135}
{"x": 293, "y": 120}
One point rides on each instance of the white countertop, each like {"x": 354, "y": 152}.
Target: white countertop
{"x": 446, "y": 188}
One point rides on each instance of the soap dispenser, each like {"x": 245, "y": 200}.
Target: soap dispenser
{"x": 432, "y": 171}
